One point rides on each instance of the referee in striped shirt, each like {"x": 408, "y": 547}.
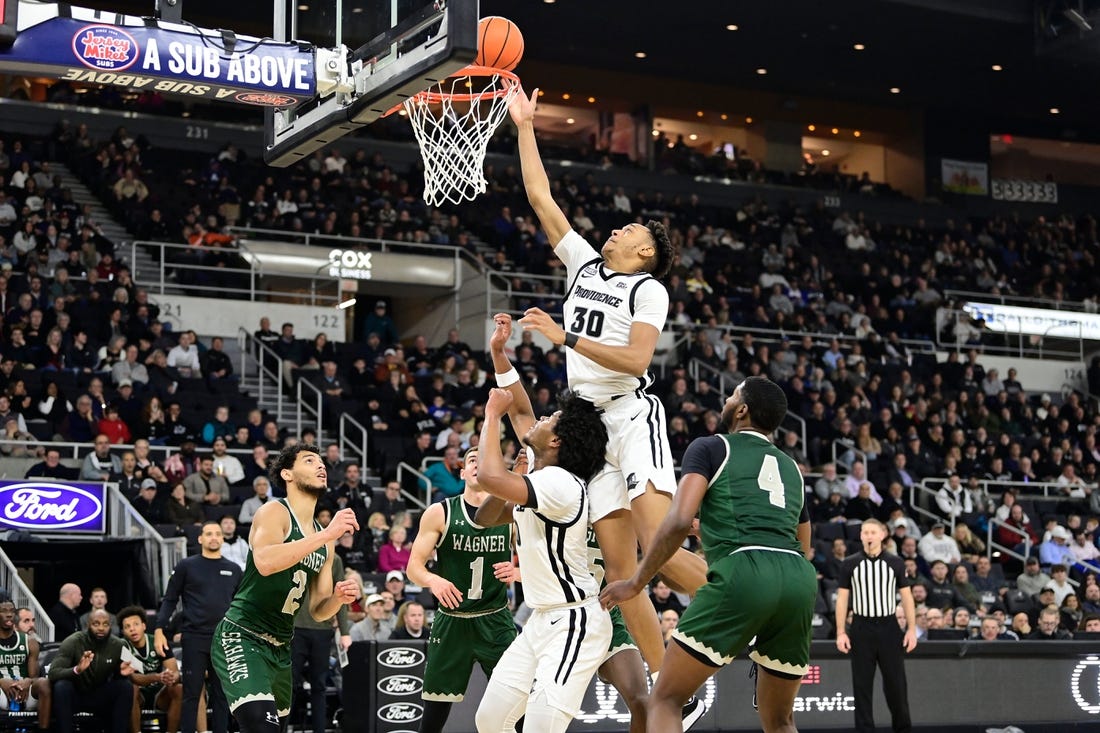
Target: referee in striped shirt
{"x": 872, "y": 580}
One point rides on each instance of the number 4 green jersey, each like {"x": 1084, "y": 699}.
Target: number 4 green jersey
{"x": 265, "y": 605}
{"x": 465, "y": 555}
{"x": 755, "y": 493}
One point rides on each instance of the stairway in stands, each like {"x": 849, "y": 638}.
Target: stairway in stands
{"x": 143, "y": 268}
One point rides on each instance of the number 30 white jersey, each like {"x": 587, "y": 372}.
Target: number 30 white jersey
{"x": 602, "y": 305}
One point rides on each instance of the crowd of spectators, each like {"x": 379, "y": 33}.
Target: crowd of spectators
{"x": 85, "y": 358}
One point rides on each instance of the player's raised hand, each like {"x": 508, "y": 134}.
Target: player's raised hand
{"x": 617, "y": 592}
{"x": 499, "y": 402}
{"x": 522, "y": 107}
{"x": 502, "y": 332}
{"x": 506, "y": 572}
{"x": 536, "y": 319}
{"x": 346, "y": 590}
{"x": 343, "y": 521}
{"x": 445, "y": 592}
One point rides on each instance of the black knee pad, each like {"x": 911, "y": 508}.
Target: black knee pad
{"x": 259, "y": 716}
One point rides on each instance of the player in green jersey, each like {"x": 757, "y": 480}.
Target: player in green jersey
{"x": 472, "y": 623}
{"x": 289, "y": 551}
{"x": 755, "y": 534}
{"x": 156, "y": 679}
{"x": 19, "y": 672}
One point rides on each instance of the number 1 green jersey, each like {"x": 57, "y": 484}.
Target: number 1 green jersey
{"x": 465, "y": 555}
{"x": 265, "y": 605}
{"x": 754, "y": 497}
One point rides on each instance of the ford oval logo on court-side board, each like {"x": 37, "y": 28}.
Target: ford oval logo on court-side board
{"x": 49, "y": 506}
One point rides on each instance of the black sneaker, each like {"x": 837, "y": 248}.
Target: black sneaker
{"x": 692, "y": 711}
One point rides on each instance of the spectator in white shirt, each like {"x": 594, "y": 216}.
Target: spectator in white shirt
{"x": 954, "y": 500}
{"x": 185, "y": 357}
{"x": 938, "y": 545}
{"x": 226, "y": 465}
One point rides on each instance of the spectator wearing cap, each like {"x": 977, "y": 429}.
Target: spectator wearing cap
{"x": 1033, "y": 579}
{"x": 938, "y": 545}
{"x": 149, "y": 504}
{"x": 378, "y": 321}
{"x": 1055, "y": 551}
{"x": 392, "y": 361}
{"x": 378, "y": 625}
{"x": 395, "y": 586}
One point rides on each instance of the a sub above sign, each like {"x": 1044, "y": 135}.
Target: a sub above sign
{"x": 41, "y": 506}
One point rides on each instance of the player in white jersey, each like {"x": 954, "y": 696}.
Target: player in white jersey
{"x": 614, "y": 311}
{"x": 547, "y": 668}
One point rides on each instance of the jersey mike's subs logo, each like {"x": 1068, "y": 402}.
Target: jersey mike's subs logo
{"x": 401, "y": 712}
{"x": 265, "y": 99}
{"x": 50, "y": 506}
{"x": 401, "y": 657}
{"x": 400, "y": 684}
{"x": 105, "y": 47}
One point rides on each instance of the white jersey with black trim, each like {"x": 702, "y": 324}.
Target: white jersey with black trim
{"x": 552, "y": 540}
{"x": 602, "y": 305}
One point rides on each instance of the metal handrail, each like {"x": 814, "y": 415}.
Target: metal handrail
{"x": 162, "y": 553}
{"x": 301, "y": 405}
{"x": 346, "y": 443}
{"x": 402, "y": 469}
{"x": 860, "y": 455}
{"x": 22, "y": 597}
{"x": 930, "y": 493}
{"x": 1049, "y": 303}
{"x": 77, "y": 451}
{"x": 990, "y": 543}
{"x": 801, "y": 424}
{"x": 262, "y": 350}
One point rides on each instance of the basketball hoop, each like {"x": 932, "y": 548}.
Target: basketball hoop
{"x": 453, "y": 120}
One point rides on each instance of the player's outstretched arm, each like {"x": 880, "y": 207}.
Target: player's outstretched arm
{"x": 492, "y": 474}
{"x": 535, "y": 180}
{"x": 670, "y": 535}
{"x": 270, "y": 526}
{"x": 432, "y": 525}
{"x": 521, "y": 413}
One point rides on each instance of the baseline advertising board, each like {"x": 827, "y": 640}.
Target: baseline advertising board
{"x": 950, "y": 683}
{"x": 53, "y": 507}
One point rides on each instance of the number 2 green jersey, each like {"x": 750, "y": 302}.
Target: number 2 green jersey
{"x": 265, "y": 605}
{"x": 465, "y": 555}
{"x": 754, "y": 497}
{"x": 14, "y": 655}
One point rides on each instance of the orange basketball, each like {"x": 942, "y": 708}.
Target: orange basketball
{"x": 499, "y": 43}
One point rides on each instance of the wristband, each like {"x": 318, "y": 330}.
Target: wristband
{"x": 75, "y": 672}
{"x": 571, "y": 340}
{"x": 508, "y": 378}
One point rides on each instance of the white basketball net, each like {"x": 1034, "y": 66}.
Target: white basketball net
{"x": 453, "y": 121}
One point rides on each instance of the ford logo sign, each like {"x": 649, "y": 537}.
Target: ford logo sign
{"x": 401, "y": 712}
{"x": 400, "y": 657}
{"x": 105, "y": 48}
{"x": 400, "y": 684}
{"x": 52, "y": 506}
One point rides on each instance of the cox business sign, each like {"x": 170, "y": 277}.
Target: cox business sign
{"x": 41, "y": 506}
{"x": 1036, "y": 321}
